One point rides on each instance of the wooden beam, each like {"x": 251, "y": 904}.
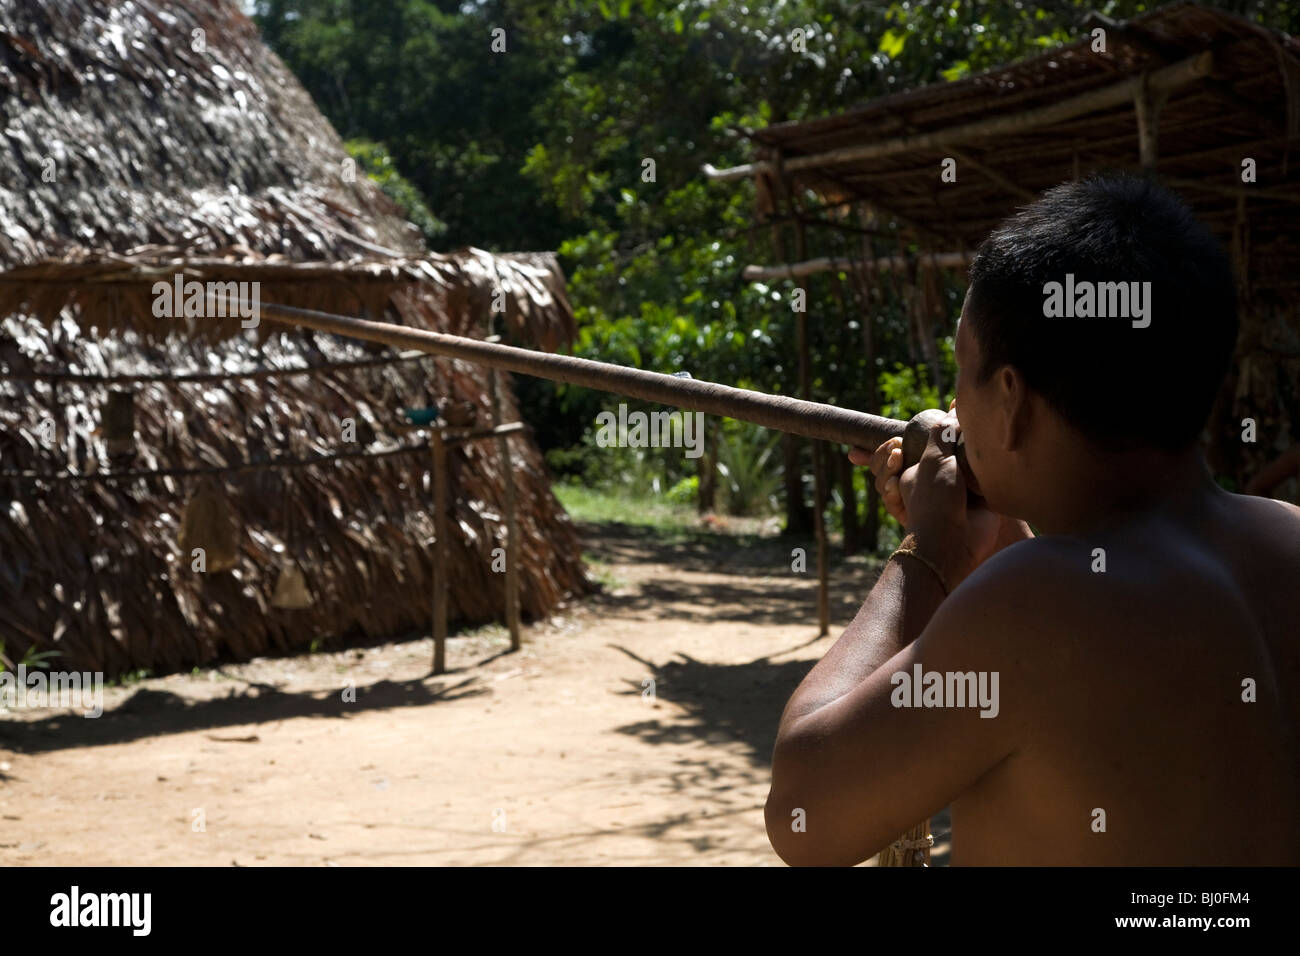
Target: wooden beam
{"x": 1147, "y": 104}
{"x": 1280, "y": 194}
{"x": 453, "y": 435}
{"x": 965, "y": 159}
{"x": 1161, "y": 81}
{"x": 512, "y": 524}
{"x": 441, "y": 558}
{"x": 796, "y": 270}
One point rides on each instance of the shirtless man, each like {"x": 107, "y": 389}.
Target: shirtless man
{"x": 1145, "y": 642}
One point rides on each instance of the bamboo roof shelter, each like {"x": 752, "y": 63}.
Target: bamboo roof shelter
{"x": 147, "y": 140}
{"x": 1190, "y": 94}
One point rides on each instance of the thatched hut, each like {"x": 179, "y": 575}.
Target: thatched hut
{"x": 1205, "y": 100}
{"x": 146, "y": 142}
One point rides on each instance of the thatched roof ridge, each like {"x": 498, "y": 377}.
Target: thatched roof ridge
{"x": 146, "y": 122}
{"x": 112, "y": 292}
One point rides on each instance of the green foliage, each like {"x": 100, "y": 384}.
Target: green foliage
{"x": 376, "y": 163}
{"x": 685, "y": 491}
{"x": 631, "y": 472}
{"x": 749, "y": 478}
{"x": 32, "y": 659}
{"x": 588, "y": 504}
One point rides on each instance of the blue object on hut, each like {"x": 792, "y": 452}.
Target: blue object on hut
{"x": 421, "y": 416}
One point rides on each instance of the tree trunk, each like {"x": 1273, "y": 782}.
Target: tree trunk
{"x": 798, "y": 516}
{"x": 873, "y": 517}
{"x": 708, "y": 489}
{"x": 852, "y": 530}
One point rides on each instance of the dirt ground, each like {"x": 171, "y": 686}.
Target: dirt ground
{"x": 562, "y": 753}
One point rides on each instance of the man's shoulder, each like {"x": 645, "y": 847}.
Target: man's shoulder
{"x": 1044, "y": 565}
{"x": 1043, "y": 589}
{"x": 1269, "y": 513}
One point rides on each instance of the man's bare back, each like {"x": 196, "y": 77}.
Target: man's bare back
{"x": 1147, "y": 667}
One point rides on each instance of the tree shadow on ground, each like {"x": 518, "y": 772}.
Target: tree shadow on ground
{"x": 703, "y": 550}
{"x": 153, "y": 713}
{"x": 728, "y": 704}
{"x": 765, "y": 590}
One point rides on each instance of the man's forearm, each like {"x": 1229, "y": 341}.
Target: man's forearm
{"x": 895, "y": 613}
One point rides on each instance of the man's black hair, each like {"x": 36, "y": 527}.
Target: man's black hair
{"x": 1119, "y": 385}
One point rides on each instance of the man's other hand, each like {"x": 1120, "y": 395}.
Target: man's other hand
{"x": 930, "y": 500}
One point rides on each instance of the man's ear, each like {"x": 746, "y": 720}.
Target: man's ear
{"x": 1015, "y": 407}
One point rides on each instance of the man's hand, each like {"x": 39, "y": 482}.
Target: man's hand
{"x": 949, "y": 526}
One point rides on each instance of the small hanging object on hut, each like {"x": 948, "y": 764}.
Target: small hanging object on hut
{"x": 457, "y": 414}
{"x": 291, "y": 593}
{"x": 424, "y": 410}
{"x": 208, "y": 523}
{"x": 421, "y": 416}
{"x": 118, "y": 426}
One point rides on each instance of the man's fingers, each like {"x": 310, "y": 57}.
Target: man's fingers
{"x": 877, "y": 459}
{"x": 938, "y": 463}
{"x": 891, "y": 496}
{"x": 883, "y": 461}
{"x": 886, "y": 464}
{"x": 887, "y": 467}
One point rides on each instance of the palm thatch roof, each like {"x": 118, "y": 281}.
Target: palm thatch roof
{"x": 147, "y": 140}
{"x": 1215, "y": 90}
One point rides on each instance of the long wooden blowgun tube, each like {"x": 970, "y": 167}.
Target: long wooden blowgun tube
{"x": 810, "y": 419}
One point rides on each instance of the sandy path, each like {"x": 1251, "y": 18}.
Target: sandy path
{"x": 554, "y": 755}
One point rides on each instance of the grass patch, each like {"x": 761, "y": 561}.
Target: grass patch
{"x": 586, "y": 504}
{"x": 602, "y": 573}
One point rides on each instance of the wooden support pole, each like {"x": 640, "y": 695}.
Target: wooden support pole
{"x": 440, "y": 553}
{"x": 797, "y": 517}
{"x": 1147, "y": 104}
{"x": 819, "y": 470}
{"x": 512, "y": 527}
{"x": 871, "y": 384}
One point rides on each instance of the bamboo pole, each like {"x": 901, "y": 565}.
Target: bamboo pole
{"x": 512, "y": 528}
{"x": 454, "y": 435}
{"x": 440, "y": 558}
{"x": 795, "y": 270}
{"x": 190, "y": 377}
